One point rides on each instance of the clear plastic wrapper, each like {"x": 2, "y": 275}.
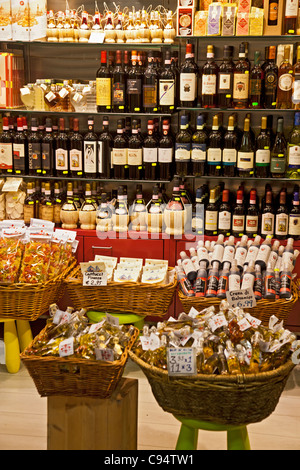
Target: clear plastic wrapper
{"x": 11, "y": 252}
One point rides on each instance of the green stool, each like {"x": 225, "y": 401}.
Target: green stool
{"x": 124, "y": 318}
{"x": 237, "y": 436}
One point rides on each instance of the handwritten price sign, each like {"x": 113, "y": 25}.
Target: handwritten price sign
{"x": 243, "y": 298}
{"x": 95, "y": 279}
{"x": 181, "y": 361}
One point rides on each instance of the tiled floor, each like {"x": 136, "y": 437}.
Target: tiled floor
{"x": 23, "y": 418}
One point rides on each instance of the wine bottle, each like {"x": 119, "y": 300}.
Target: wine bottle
{"x": 134, "y": 85}
{"x": 198, "y": 212}
{"x": 119, "y": 152}
{"x": 211, "y": 215}
{"x": 252, "y": 216}
{"x": 34, "y": 149}
{"x": 62, "y": 151}
{"x": 119, "y": 86}
{"x": 105, "y": 143}
{"x": 256, "y": 83}
{"x": 224, "y": 218}
{"x": 76, "y": 151}
{"x": 135, "y": 153}
{"x": 245, "y": 157}
{"x": 48, "y": 148}
{"x": 290, "y": 16}
{"x": 183, "y": 148}
{"x": 267, "y": 217}
{"x": 150, "y": 154}
{"x": 20, "y": 150}
{"x": 293, "y": 150}
{"x": 270, "y": 80}
{"x": 199, "y": 148}
{"x": 155, "y": 212}
{"x": 188, "y": 79}
{"x": 166, "y": 152}
{"x": 294, "y": 218}
{"x": 263, "y": 152}
{"x": 225, "y": 79}
{"x": 238, "y": 216}
{"x": 285, "y": 82}
{"x": 167, "y": 87}
{"x": 229, "y": 155}
{"x": 210, "y": 73}
{"x": 241, "y": 80}
{"x": 278, "y": 153}
{"x": 103, "y": 85}
{"x": 296, "y": 82}
{"x": 282, "y": 218}
{"x": 150, "y": 86}
{"x": 214, "y": 152}
{"x": 90, "y": 144}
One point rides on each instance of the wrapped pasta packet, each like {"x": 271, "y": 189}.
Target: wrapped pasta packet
{"x": 36, "y": 258}
{"x": 11, "y": 253}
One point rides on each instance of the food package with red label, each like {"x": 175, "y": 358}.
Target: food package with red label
{"x": 11, "y": 253}
{"x": 36, "y": 258}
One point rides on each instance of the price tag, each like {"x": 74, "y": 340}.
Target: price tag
{"x": 96, "y": 326}
{"x": 181, "y": 361}
{"x": 97, "y": 37}
{"x": 95, "y": 278}
{"x": 193, "y": 312}
{"x": 66, "y": 347}
{"x": 112, "y": 320}
{"x": 104, "y": 354}
{"x": 243, "y": 298}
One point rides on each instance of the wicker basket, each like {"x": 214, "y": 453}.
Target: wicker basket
{"x": 263, "y": 311}
{"x": 76, "y": 377}
{"x": 30, "y": 301}
{"x": 233, "y": 399}
{"x": 137, "y": 298}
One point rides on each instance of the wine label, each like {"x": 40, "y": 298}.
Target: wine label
{"x": 134, "y": 86}
{"x": 166, "y": 92}
{"x": 228, "y": 255}
{"x": 90, "y": 156}
{"x": 262, "y": 157}
{"x": 150, "y": 96}
{"x": 285, "y": 82}
{"x": 34, "y": 156}
{"x": 76, "y": 160}
{"x": 277, "y": 165}
{"x": 100, "y": 156}
{"x": 103, "y": 91}
{"x": 252, "y": 223}
{"x": 294, "y": 156}
{"x": 211, "y": 220}
{"x": 61, "y": 159}
{"x": 198, "y": 152}
{"x": 224, "y": 220}
{"x": 6, "y": 156}
{"x": 281, "y": 224}
{"x": 267, "y": 224}
{"x": 238, "y": 223}
{"x": 209, "y": 84}
{"x": 251, "y": 254}
{"x": 19, "y": 156}
{"x": 224, "y": 83}
{"x": 214, "y": 156}
{"x": 245, "y": 160}
{"x": 291, "y": 9}
{"x": 240, "y": 86}
{"x": 294, "y": 224}
{"x": 119, "y": 156}
{"x": 182, "y": 151}
{"x": 118, "y": 94}
{"x": 271, "y": 80}
{"x": 229, "y": 156}
{"x": 165, "y": 155}
{"x": 150, "y": 155}
{"x": 46, "y": 156}
{"x": 248, "y": 281}
{"x": 187, "y": 86}
{"x": 135, "y": 157}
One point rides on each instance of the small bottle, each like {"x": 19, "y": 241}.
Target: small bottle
{"x": 218, "y": 251}
{"x": 155, "y": 212}
{"x": 29, "y": 204}
{"x": 232, "y": 361}
{"x": 47, "y": 204}
{"x": 234, "y": 282}
{"x": 288, "y": 253}
{"x": 249, "y": 276}
{"x": 285, "y": 291}
{"x": 241, "y": 252}
{"x": 223, "y": 281}
{"x": 139, "y": 211}
{"x": 257, "y": 289}
{"x": 104, "y": 215}
{"x": 213, "y": 280}
{"x": 188, "y": 266}
{"x": 202, "y": 253}
{"x": 120, "y": 218}
{"x": 253, "y": 250}
{"x": 87, "y": 213}
{"x": 274, "y": 253}
{"x": 270, "y": 288}
{"x": 201, "y": 281}
{"x": 184, "y": 284}
{"x": 254, "y": 361}
{"x": 264, "y": 253}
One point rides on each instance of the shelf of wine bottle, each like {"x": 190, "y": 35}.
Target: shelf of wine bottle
{"x": 78, "y": 113}
{"x": 285, "y": 38}
{"x": 242, "y": 178}
{"x": 105, "y": 45}
{"x": 77, "y": 178}
{"x": 232, "y": 110}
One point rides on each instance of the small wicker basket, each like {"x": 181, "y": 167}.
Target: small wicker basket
{"x": 30, "y": 301}
{"x": 232, "y": 399}
{"x": 140, "y": 299}
{"x": 75, "y": 376}
{"x": 263, "y": 311}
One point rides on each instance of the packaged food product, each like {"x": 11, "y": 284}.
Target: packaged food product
{"x": 11, "y": 252}
{"x": 36, "y": 258}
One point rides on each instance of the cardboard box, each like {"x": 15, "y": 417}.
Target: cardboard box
{"x": 214, "y": 19}
{"x": 242, "y": 24}
{"x": 188, "y": 3}
{"x": 5, "y": 21}
{"x": 244, "y": 6}
{"x": 200, "y": 23}
{"x": 228, "y": 20}
{"x": 4, "y": 81}
{"x": 37, "y": 19}
{"x": 274, "y": 30}
{"x": 185, "y": 21}
{"x": 256, "y": 22}
{"x": 11, "y": 80}
{"x": 20, "y": 20}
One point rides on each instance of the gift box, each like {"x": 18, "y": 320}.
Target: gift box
{"x": 200, "y": 23}
{"x": 185, "y": 21}
{"x": 214, "y": 19}
{"x": 242, "y": 24}
{"x": 274, "y": 12}
{"x": 228, "y": 20}
{"x": 256, "y": 22}
{"x": 5, "y": 21}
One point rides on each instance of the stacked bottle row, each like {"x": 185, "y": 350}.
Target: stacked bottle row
{"x": 45, "y": 151}
{"x": 215, "y": 268}
{"x": 240, "y": 85}
{"x": 236, "y": 152}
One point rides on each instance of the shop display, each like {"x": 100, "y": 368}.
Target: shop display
{"x": 226, "y": 342}
{"x": 214, "y": 268}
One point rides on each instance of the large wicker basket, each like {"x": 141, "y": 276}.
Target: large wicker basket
{"x": 30, "y": 301}
{"x": 129, "y": 297}
{"x": 232, "y": 399}
{"x": 74, "y": 376}
{"x": 263, "y": 310}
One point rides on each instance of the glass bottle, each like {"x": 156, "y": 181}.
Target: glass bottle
{"x": 267, "y": 217}
{"x": 245, "y": 157}
{"x": 47, "y": 204}
{"x": 290, "y": 16}
{"x": 76, "y": 151}
{"x": 238, "y": 215}
{"x": 188, "y": 79}
{"x": 282, "y": 218}
{"x": 120, "y": 217}
{"x": 285, "y": 82}
{"x": 119, "y": 86}
{"x": 256, "y": 83}
{"x": 34, "y": 149}
{"x": 214, "y": 151}
{"x": 241, "y": 81}
{"x": 210, "y": 73}
{"x": 199, "y": 148}
{"x": 183, "y": 148}
{"x": 198, "y": 212}
{"x": 229, "y": 155}
{"x": 90, "y": 143}
{"x": 232, "y": 361}
{"x": 134, "y": 85}
{"x": 20, "y": 161}
{"x": 119, "y": 152}
{"x": 263, "y": 152}
{"x": 294, "y": 218}
{"x": 270, "y": 80}
{"x": 69, "y": 214}
{"x": 150, "y": 86}
{"x": 150, "y": 154}
{"x": 62, "y": 151}
{"x": 224, "y": 216}
{"x": 166, "y": 87}
{"x": 155, "y": 210}
{"x": 252, "y": 216}
{"x": 29, "y": 204}
{"x": 138, "y": 211}
{"x": 296, "y": 82}
{"x": 103, "y": 85}
{"x": 278, "y": 152}
{"x": 105, "y": 143}
{"x": 166, "y": 152}
{"x": 211, "y": 214}
{"x": 87, "y": 212}
{"x": 135, "y": 153}
{"x": 174, "y": 213}
{"x": 293, "y": 150}
{"x": 48, "y": 148}
{"x": 225, "y": 79}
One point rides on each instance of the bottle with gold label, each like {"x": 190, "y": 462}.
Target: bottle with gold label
{"x": 69, "y": 214}
{"x": 285, "y": 82}
{"x": 29, "y": 204}
{"x": 47, "y": 204}
{"x": 87, "y": 213}
{"x": 103, "y": 85}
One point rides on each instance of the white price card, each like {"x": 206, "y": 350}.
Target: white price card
{"x": 66, "y": 347}
{"x": 243, "y": 298}
{"x": 181, "y": 361}
{"x": 104, "y": 354}
{"x": 95, "y": 278}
